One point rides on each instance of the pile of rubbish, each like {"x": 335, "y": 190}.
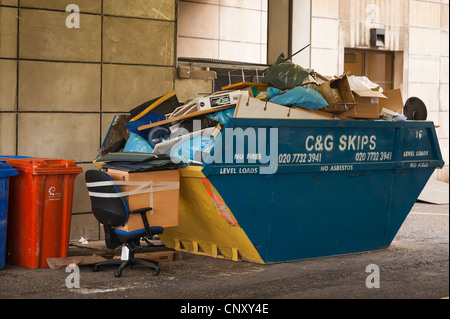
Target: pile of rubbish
{"x": 186, "y": 131}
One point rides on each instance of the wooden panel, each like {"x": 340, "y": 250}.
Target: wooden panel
{"x": 165, "y": 203}
{"x": 254, "y": 108}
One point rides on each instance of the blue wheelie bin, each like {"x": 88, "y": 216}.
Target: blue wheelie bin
{"x": 330, "y": 188}
{"x": 5, "y": 172}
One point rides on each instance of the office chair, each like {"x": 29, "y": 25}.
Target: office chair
{"x": 114, "y": 212}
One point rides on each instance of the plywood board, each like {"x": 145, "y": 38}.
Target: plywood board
{"x": 254, "y": 108}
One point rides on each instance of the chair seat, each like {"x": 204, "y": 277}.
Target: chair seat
{"x": 123, "y": 235}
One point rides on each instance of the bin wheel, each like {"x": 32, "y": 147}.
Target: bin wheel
{"x": 155, "y": 272}
{"x": 118, "y": 274}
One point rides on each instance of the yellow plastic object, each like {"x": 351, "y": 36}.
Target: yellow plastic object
{"x": 207, "y": 226}
{"x": 98, "y": 165}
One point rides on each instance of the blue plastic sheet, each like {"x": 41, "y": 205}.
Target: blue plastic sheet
{"x": 138, "y": 144}
{"x": 303, "y": 97}
{"x": 185, "y": 152}
{"x": 222, "y": 117}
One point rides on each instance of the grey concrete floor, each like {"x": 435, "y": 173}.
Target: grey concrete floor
{"x": 415, "y": 266}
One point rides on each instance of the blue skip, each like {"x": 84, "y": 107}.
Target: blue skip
{"x": 328, "y": 188}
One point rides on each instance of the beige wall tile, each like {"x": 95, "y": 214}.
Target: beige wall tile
{"x": 7, "y": 134}
{"x": 352, "y": 34}
{"x": 264, "y": 31}
{"x": 425, "y": 14}
{"x": 86, "y": 226}
{"x": 198, "y": 20}
{"x": 198, "y": 48}
{"x": 325, "y": 33}
{"x": 395, "y": 12}
{"x": 48, "y": 86}
{"x": 434, "y": 117}
{"x": 444, "y": 70}
{"x": 443, "y": 130}
{"x": 92, "y": 6}
{"x": 8, "y": 32}
{"x": 64, "y": 136}
{"x": 356, "y": 34}
{"x": 264, "y": 54}
{"x": 44, "y": 35}
{"x": 424, "y": 41}
{"x": 444, "y": 43}
{"x": 325, "y": 8}
{"x": 424, "y": 70}
{"x": 9, "y": 2}
{"x": 139, "y": 41}
{"x": 125, "y": 86}
{"x": 247, "y": 4}
{"x": 81, "y": 200}
{"x": 427, "y": 92}
{"x": 8, "y": 85}
{"x": 444, "y": 16}
{"x": 153, "y": 9}
{"x": 444, "y": 98}
{"x": 190, "y": 88}
{"x": 244, "y": 52}
{"x": 325, "y": 61}
{"x": 301, "y": 32}
{"x": 240, "y": 25}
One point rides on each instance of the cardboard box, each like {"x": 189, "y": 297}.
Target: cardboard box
{"x": 165, "y": 203}
{"x": 394, "y": 101}
{"x": 338, "y": 94}
{"x": 367, "y": 105}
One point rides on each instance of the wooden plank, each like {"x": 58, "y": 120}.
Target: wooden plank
{"x": 159, "y": 256}
{"x": 242, "y": 85}
{"x": 188, "y": 108}
{"x": 155, "y": 104}
{"x": 61, "y": 262}
{"x": 184, "y": 117}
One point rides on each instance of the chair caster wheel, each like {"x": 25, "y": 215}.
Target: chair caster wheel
{"x": 118, "y": 274}
{"x": 155, "y": 272}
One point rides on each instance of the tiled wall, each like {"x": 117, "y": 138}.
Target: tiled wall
{"x": 60, "y": 88}
{"x": 418, "y": 29}
{"x": 429, "y": 66}
{"x": 233, "y": 30}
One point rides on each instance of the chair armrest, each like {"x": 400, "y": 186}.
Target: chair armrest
{"x": 143, "y": 212}
{"x": 140, "y": 210}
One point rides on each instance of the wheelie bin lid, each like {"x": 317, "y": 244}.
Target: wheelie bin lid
{"x": 43, "y": 166}
{"x": 6, "y": 170}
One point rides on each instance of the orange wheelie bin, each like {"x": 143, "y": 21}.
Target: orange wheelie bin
{"x": 39, "y": 210}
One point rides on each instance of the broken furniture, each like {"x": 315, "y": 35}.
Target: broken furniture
{"x": 112, "y": 210}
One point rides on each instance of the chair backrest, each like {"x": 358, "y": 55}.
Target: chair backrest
{"x": 108, "y": 211}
